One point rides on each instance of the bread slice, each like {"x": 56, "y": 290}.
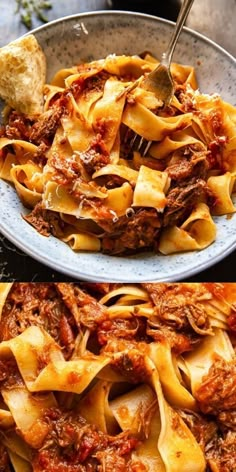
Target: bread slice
{"x": 23, "y": 75}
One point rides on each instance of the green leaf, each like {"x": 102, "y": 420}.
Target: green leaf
{"x": 26, "y": 20}
{"x": 30, "y": 8}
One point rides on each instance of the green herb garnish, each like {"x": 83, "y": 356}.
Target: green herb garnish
{"x": 29, "y": 8}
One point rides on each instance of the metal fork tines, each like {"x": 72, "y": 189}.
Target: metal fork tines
{"x": 140, "y": 144}
{"x": 160, "y": 81}
{"x": 132, "y": 141}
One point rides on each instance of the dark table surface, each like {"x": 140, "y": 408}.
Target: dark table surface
{"x": 213, "y": 18}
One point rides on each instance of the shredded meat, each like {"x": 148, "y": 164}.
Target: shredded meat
{"x": 181, "y": 200}
{"x": 44, "y": 129}
{"x": 186, "y": 168}
{"x": 131, "y": 365}
{"x": 217, "y": 392}
{"x": 203, "y": 430}
{"x": 179, "y": 341}
{"x": 18, "y": 126}
{"x": 122, "y": 334}
{"x": 46, "y": 222}
{"x": 37, "y": 131}
{"x": 221, "y": 453}
{"x": 38, "y": 304}
{"x": 72, "y": 445}
{"x": 184, "y": 98}
{"x": 99, "y": 288}
{"x": 111, "y": 462}
{"x": 179, "y": 307}
{"x": 139, "y": 231}
{"x": 85, "y": 308}
{"x": 188, "y": 185}
{"x": 66, "y": 170}
{"x": 9, "y": 374}
{"x": 95, "y": 82}
{"x": 96, "y": 156}
{"x": 61, "y": 309}
{"x": 227, "y": 419}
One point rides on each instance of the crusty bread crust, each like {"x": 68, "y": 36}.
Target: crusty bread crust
{"x": 23, "y": 75}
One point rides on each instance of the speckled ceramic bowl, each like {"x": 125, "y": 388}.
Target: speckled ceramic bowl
{"x": 92, "y": 36}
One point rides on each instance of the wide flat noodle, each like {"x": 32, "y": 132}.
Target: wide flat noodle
{"x": 176, "y": 394}
{"x": 151, "y": 188}
{"x": 23, "y": 151}
{"x": 109, "y": 111}
{"x": 197, "y": 232}
{"x": 82, "y": 241}
{"x": 131, "y": 411}
{"x": 4, "y": 290}
{"x": 35, "y": 406}
{"x": 57, "y": 372}
{"x": 28, "y": 180}
{"x": 123, "y": 171}
{"x": 172, "y": 143}
{"x": 153, "y": 128}
{"x": 222, "y": 188}
{"x": 19, "y": 464}
{"x": 95, "y": 407}
{"x": 199, "y": 362}
{"x": 181, "y": 438}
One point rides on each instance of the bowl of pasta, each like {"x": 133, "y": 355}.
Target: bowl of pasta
{"x": 76, "y": 194}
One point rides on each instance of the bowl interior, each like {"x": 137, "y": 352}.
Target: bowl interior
{"x": 89, "y": 36}
{"x": 92, "y": 36}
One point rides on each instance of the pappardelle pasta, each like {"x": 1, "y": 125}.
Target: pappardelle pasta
{"x": 117, "y": 377}
{"x": 74, "y": 165}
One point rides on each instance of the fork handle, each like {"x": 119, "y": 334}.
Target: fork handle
{"x": 183, "y": 13}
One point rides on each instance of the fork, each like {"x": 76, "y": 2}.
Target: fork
{"x": 160, "y": 80}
